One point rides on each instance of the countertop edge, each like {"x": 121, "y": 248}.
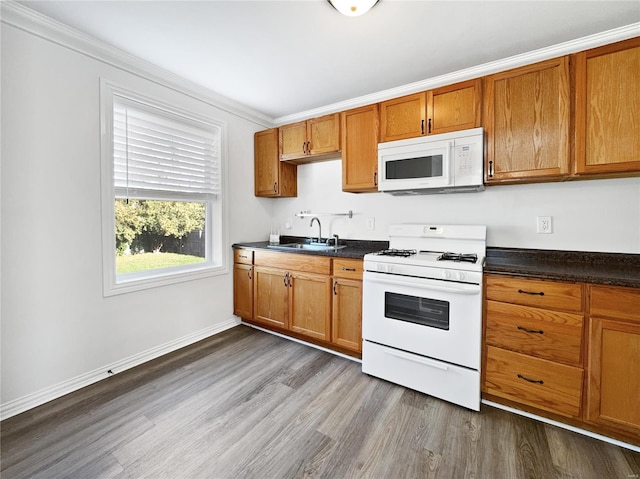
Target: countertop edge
{"x": 356, "y": 249}
{"x": 611, "y": 269}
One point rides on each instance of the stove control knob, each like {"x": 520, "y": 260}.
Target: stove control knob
{"x": 460, "y": 275}
{"x": 446, "y": 274}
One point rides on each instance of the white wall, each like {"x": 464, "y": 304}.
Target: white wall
{"x": 56, "y": 325}
{"x": 593, "y": 215}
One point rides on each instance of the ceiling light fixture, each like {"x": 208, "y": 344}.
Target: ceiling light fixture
{"x": 353, "y": 8}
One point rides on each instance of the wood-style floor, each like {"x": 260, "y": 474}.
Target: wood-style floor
{"x": 247, "y": 404}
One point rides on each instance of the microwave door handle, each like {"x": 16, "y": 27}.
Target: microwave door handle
{"x": 383, "y": 278}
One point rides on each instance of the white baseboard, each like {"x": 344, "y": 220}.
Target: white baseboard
{"x": 30, "y": 401}
{"x": 562, "y": 425}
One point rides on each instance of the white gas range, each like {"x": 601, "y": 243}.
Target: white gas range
{"x": 422, "y": 310}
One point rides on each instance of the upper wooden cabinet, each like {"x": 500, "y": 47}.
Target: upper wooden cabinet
{"x": 360, "y": 149}
{"x": 403, "y": 117}
{"x": 607, "y": 105}
{"x": 272, "y": 178}
{"x": 527, "y": 120}
{"x": 310, "y": 140}
{"x": 454, "y": 107}
{"x": 449, "y": 108}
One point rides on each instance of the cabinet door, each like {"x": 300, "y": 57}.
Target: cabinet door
{"x": 266, "y": 163}
{"x": 310, "y": 303}
{"x": 243, "y": 291}
{"x": 454, "y": 107}
{"x": 403, "y": 117}
{"x": 346, "y": 320}
{"x": 614, "y": 375}
{"x": 272, "y": 178}
{"x": 607, "y": 102}
{"x": 270, "y": 297}
{"x": 323, "y": 134}
{"x": 527, "y": 122}
{"x": 360, "y": 149}
{"x": 293, "y": 140}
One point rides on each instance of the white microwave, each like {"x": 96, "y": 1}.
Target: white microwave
{"x": 445, "y": 163}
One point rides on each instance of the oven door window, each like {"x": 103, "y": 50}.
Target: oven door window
{"x": 424, "y": 311}
{"x": 422, "y": 167}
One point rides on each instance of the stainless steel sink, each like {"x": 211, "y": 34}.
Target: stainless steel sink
{"x": 306, "y": 246}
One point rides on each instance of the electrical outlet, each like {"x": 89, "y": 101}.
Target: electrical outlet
{"x": 371, "y": 223}
{"x": 544, "y": 224}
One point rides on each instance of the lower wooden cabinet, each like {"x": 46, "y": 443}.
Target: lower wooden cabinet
{"x": 243, "y": 290}
{"x": 613, "y": 392}
{"x": 346, "y": 319}
{"x": 540, "y": 383}
{"x": 568, "y": 351}
{"x": 310, "y": 297}
{"x": 310, "y": 305}
{"x": 534, "y": 340}
{"x": 270, "y": 297}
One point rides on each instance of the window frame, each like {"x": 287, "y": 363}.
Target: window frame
{"x": 216, "y": 221}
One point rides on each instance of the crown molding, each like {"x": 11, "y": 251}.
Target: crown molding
{"x": 572, "y": 46}
{"x": 30, "y": 21}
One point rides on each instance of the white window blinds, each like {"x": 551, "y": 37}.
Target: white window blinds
{"x": 159, "y": 155}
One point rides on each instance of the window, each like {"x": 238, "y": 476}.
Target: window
{"x": 162, "y": 193}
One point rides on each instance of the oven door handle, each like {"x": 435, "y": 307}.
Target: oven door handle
{"x": 418, "y": 359}
{"x": 460, "y": 288}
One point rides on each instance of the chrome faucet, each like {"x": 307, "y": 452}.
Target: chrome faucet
{"x": 319, "y": 228}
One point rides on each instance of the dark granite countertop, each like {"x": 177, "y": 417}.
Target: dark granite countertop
{"x": 355, "y": 248}
{"x": 617, "y": 269}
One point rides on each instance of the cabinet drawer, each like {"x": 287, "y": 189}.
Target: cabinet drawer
{"x": 294, "y": 262}
{"x": 615, "y": 302}
{"x": 534, "y": 292}
{"x": 536, "y": 382}
{"x": 547, "y": 334}
{"x": 243, "y": 256}
{"x": 347, "y": 268}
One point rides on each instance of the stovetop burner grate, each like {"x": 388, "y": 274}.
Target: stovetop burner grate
{"x": 397, "y": 252}
{"x": 458, "y": 257}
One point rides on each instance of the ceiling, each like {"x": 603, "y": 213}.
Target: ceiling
{"x": 285, "y": 57}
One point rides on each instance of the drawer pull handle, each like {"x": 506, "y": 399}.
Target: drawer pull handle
{"x": 521, "y": 291}
{"x": 526, "y": 330}
{"x": 348, "y": 269}
{"x": 537, "y": 381}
